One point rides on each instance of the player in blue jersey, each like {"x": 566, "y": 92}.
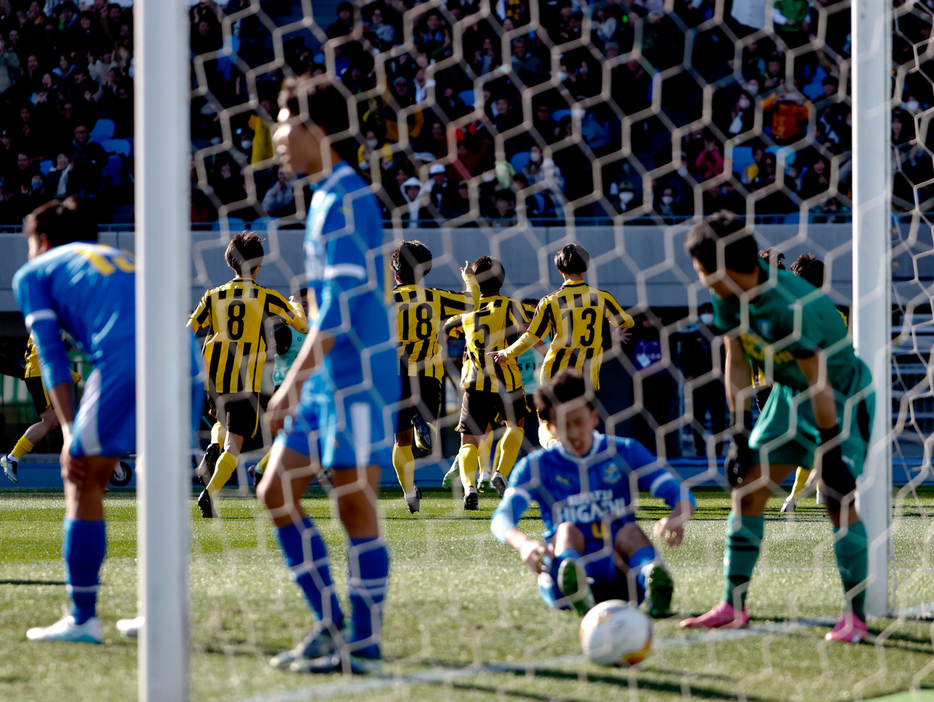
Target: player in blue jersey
{"x": 87, "y": 290}
{"x": 335, "y": 406}
{"x": 587, "y": 486}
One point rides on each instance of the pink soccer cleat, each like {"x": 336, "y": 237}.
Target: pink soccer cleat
{"x": 723, "y": 616}
{"x": 850, "y": 629}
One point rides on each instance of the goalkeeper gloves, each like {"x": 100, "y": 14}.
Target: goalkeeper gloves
{"x": 739, "y": 458}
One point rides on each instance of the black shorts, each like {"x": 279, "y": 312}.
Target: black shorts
{"x": 482, "y": 409}
{"x": 420, "y": 395}
{"x": 40, "y": 398}
{"x": 238, "y": 413}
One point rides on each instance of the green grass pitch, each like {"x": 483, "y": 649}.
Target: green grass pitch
{"x": 463, "y": 617}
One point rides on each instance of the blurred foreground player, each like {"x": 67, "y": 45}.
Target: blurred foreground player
{"x": 587, "y": 485}
{"x": 335, "y": 407}
{"x": 822, "y": 403}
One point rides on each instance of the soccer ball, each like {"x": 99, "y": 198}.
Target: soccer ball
{"x": 615, "y": 633}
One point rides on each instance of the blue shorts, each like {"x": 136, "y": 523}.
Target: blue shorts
{"x": 105, "y": 424}
{"x": 606, "y": 581}
{"x": 345, "y": 429}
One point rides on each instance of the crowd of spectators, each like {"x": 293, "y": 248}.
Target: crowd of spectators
{"x": 562, "y": 120}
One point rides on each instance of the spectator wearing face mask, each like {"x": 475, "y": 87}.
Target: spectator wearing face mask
{"x": 58, "y": 184}
{"x": 669, "y": 204}
{"x": 627, "y": 195}
{"x": 373, "y": 144}
{"x": 540, "y": 168}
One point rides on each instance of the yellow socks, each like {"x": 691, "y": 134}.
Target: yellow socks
{"x": 507, "y": 451}
{"x": 226, "y": 465}
{"x": 801, "y": 479}
{"x": 467, "y": 460}
{"x": 403, "y": 460}
{"x": 484, "y": 450}
{"x": 23, "y": 446}
{"x": 263, "y": 462}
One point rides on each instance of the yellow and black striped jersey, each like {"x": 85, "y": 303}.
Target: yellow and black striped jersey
{"x": 32, "y": 359}
{"x": 239, "y": 317}
{"x": 579, "y": 318}
{"x": 32, "y": 362}
{"x": 492, "y": 327}
{"x": 420, "y": 312}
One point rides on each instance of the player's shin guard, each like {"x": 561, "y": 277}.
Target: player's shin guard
{"x": 467, "y": 461}
{"x": 309, "y": 567}
{"x": 23, "y": 446}
{"x": 368, "y": 563}
{"x": 507, "y": 451}
{"x": 743, "y": 543}
{"x": 403, "y": 460}
{"x": 850, "y": 547}
{"x": 637, "y": 563}
{"x": 84, "y": 546}
{"x": 226, "y": 465}
{"x": 218, "y": 434}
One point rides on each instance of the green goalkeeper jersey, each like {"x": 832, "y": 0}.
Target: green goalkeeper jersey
{"x": 788, "y": 320}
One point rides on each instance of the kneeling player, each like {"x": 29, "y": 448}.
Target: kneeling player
{"x": 584, "y": 484}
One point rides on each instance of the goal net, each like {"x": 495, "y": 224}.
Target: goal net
{"x": 511, "y": 129}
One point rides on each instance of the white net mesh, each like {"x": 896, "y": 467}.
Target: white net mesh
{"x": 511, "y": 129}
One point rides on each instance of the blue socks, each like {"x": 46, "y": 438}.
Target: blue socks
{"x": 307, "y": 559}
{"x": 83, "y": 547}
{"x": 368, "y": 563}
{"x": 640, "y": 558}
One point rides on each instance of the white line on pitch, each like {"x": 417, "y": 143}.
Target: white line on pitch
{"x": 443, "y": 675}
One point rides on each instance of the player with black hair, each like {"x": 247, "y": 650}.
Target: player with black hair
{"x": 578, "y": 318}
{"x": 492, "y": 391}
{"x": 822, "y": 404}
{"x": 239, "y": 318}
{"x": 587, "y": 485}
{"x": 420, "y": 312}
{"x": 74, "y": 285}
{"x": 334, "y": 410}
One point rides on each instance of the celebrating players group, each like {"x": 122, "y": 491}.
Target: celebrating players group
{"x": 359, "y": 382}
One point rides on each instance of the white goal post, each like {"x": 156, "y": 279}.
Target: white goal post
{"x": 872, "y": 273}
{"x": 163, "y": 382}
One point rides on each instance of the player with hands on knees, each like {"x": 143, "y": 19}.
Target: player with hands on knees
{"x": 821, "y": 406}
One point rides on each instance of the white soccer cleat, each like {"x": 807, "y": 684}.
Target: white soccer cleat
{"x": 65, "y": 629}
{"x": 130, "y": 627}
{"x": 820, "y": 498}
{"x": 452, "y": 475}
{"x": 484, "y": 483}
{"x": 789, "y": 505}
{"x": 9, "y": 467}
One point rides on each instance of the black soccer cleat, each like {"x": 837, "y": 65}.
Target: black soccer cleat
{"x": 206, "y": 468}
{"x": 423, "y": 438}
{"x": 206, "y": 505}
{"x": 415, "y": 504}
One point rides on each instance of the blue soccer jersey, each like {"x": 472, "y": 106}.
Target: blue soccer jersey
{"x": 87, "y": 290}
{"x": 588, "y": 491}
{"x": 345, "y": 269}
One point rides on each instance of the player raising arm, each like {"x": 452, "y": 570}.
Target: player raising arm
{"x": 822, "y": 403}
{"x": 420, "y": 312}
{"x": 335, "y": 405}
{"x": 587, "y": 485}
{"x": 578, "y": 318}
